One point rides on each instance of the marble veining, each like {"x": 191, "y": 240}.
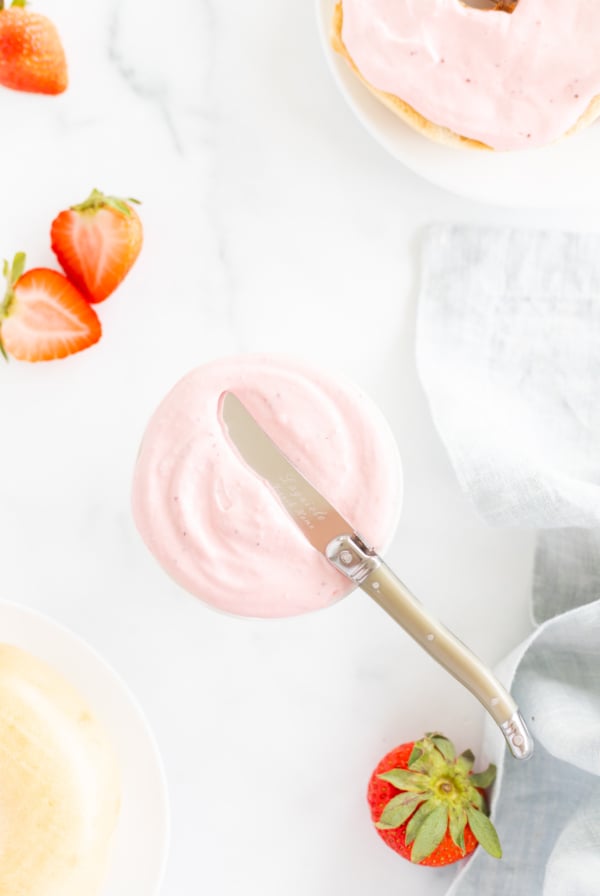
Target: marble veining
{"x": 272, "y": 223}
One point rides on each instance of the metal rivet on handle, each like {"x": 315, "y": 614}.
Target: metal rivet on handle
{"x": 346, "y": 557}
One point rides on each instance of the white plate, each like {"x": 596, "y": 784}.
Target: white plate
{"x": 564, "y": 174}
{"x": 140, "y": 847}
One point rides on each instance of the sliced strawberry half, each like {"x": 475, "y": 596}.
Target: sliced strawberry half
{"x": 43, "y": 316}
{"x": 97, "y": 243}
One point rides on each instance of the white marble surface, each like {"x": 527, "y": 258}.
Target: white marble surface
{"x": 272, "y": 222}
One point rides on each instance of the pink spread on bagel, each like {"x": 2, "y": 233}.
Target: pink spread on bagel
{"x": 511, "y": 81}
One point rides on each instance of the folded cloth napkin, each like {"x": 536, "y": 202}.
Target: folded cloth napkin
{"x": 509, "y": 354}
{"x": 508, "y": 351}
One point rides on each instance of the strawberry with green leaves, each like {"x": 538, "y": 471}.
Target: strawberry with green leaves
{"x": 97, "y": 243}
{"x": 43, "y": 316}
{"x": 32, "y": 57}
{"x": 429, "y": 805}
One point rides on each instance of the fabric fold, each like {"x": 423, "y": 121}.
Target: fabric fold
{"x": 508, "y": 351}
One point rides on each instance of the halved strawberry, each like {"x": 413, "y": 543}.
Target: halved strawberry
{"x": 31, "y": 53}
{"x": 97, "y": 243}
{"x": 43, "y": 316}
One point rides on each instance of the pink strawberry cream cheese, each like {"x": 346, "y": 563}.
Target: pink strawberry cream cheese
{"x": 511, "y": 81}
{"x": 217, "y": 528}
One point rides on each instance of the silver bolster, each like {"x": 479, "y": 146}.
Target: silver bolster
{"x": 353, "y": 558}
{"x": 518, "y": 738}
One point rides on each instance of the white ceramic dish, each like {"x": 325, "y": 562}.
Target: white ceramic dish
{"x": 564, "y": 174}
{"x": 140, "y": 847}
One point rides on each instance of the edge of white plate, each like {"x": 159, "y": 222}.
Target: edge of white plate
{"x": 82, "y": 645}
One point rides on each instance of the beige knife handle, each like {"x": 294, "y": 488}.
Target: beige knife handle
{"x": 350, "y": 556}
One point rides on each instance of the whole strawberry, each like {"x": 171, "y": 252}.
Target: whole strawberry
{"x": 429, "y": 806}
{"x": 31, "y": 53}
{"x": 43, "y": 316}
{"x": 97, "y": 243}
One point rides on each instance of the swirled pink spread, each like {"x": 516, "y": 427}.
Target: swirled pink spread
{"x": 217, "y": 528}
{"x": 511, "y": 81}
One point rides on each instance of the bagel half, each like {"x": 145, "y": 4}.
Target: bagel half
{"x": 414, "y": 119}
{"x": 59, "y": 784}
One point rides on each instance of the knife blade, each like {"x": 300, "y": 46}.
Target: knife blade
{"x": 319, "y": 521}
{"x": 333, "y": 536}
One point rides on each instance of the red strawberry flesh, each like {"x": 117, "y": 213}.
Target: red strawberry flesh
{"x": 97, "y": 243}
{"x": 44, "y": 317}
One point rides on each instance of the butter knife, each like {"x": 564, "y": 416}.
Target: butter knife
{"x": 330, "y": 534}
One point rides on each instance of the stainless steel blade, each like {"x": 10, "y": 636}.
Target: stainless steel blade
{"x": 312, "y": 513}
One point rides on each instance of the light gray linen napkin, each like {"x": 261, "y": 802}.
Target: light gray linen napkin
{"x": 508, "y": 351}
{"x": 509, "y": 354}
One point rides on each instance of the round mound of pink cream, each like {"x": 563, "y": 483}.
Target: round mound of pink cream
{"x": 217, "y": 528}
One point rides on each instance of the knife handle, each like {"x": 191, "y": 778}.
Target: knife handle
{"x": 364, "y": 567}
